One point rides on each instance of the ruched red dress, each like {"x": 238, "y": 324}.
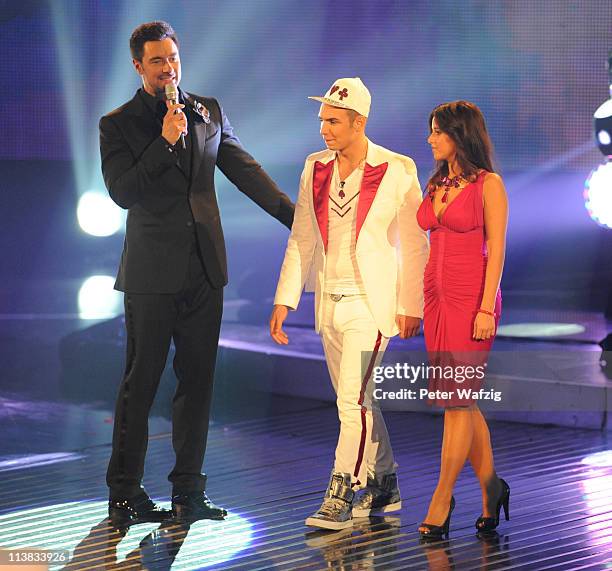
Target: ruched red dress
{"x": 454, "y": 284}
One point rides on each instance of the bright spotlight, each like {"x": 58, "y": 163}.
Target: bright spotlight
{"x": 601, "y": 459}
{"x": 98, "y": 299}
{"x": 98, "y": 215}
{"x": 598, "y": 187}
{"x": 598, "y": 195}
{"x": 604, "y": 137}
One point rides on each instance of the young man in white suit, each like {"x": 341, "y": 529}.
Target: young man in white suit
{"x": 355, "y": 232}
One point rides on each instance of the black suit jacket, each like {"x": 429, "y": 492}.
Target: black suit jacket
{"x": 142, "y": 174}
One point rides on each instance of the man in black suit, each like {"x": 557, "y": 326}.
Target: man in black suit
{"x": 173, "y": 266}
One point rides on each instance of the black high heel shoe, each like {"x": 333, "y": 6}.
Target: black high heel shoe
{"x": 490, "y": 523}
{"x": 435, "y": 532}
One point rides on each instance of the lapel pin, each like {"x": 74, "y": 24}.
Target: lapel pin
{"x": 202, "y": 112}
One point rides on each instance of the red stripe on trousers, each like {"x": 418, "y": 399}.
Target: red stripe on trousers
{"x": 364, "y": 384}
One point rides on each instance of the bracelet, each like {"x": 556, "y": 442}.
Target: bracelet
{"x": 491, "y": 313}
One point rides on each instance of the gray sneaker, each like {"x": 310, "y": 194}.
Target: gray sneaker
{"x": 381, "y": 495}
{"x": 335, "y": 511}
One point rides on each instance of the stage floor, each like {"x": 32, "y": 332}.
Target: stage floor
{"x": 269, "y": 458}
{"x": 270, "y": 472}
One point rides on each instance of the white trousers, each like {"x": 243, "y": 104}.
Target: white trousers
{"x": 353, "y": 347}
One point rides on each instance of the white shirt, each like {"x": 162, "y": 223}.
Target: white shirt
{"x": 341, "y": 271}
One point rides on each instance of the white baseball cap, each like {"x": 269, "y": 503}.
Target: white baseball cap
{"x": 348, "y": 93}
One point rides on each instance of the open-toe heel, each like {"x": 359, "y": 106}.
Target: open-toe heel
{"x": 490, "y": 523}
{"x": 434, "y": 532}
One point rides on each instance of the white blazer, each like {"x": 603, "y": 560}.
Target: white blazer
{"x": 391, "y": 250}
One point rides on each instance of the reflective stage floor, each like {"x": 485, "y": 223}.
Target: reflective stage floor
{"x": 270, "y": 473}
{"x": 268, "y": 462}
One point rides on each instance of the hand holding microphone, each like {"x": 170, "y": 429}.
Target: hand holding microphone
{"x": 175, "y": 121}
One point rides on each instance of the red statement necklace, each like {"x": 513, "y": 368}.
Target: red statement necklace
{"x": 447, "y": 183}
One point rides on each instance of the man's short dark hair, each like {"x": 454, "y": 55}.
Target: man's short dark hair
{"x": 150, "y": 32}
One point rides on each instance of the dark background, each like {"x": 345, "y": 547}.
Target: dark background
{"x": 537, "y": 70}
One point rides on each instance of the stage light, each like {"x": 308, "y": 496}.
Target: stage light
{"x": 98, "y": 215}
{"x": 604, "y": 137}
{"x": 603, "y": 127}
{"x": 539, "y": 329}
{"x": 80, "y": 529}
{"x": 603, "y": 119}
{"x": 98, "y": 299}
{"x": 598, "y": 195}
{"x": 601, "y": 459}
{"x": 598, "y": 187}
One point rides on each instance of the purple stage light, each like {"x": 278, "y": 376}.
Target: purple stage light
{"x": 598, "y": 195}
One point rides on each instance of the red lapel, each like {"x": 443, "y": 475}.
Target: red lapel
{"x": 372, "y": 177}
{"x": 321, "y": 180}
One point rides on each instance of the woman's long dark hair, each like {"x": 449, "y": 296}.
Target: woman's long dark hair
{"x": 464, "y": 123}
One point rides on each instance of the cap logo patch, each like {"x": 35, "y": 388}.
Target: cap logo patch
{"x": 342, "y": 94}
{"x": 334, "y": 89}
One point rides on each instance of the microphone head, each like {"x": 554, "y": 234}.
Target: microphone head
{"x": 171, "y": 92}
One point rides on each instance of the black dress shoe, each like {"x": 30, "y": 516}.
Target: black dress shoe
{"x": 193, "y": 506}
{"x": 138, "y": 509}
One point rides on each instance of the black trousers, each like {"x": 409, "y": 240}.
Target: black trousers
{"x": 192, "y": 318}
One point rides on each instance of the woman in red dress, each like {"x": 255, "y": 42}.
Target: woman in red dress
{"x": 466, "y": 213}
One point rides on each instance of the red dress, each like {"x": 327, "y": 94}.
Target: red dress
{"x": 453, "y": 286}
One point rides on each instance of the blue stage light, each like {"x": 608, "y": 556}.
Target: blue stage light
{"x": 98, "y": 299}
{"x": 98, "y": 215}
{"x": 598, "y": 195}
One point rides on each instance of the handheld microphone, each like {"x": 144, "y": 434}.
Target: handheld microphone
{"x": 173, "y": 96}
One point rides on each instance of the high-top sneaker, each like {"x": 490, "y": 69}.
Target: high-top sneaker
{"x": 335, "y": 511}
{"x": 381, "y": 495}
